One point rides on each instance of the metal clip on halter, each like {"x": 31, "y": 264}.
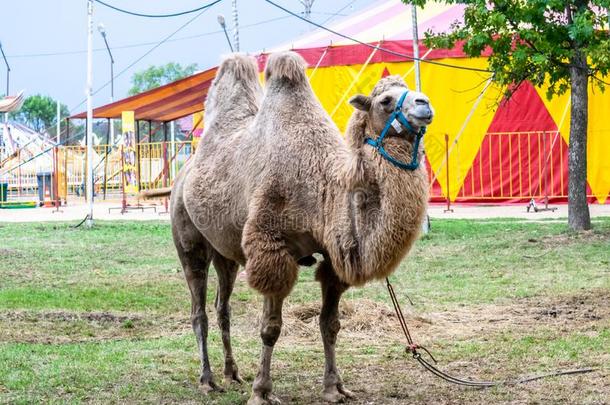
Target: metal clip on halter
{"x": 398, "y": 116}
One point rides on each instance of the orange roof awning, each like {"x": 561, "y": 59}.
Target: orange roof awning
{"x": 166, "y": 103}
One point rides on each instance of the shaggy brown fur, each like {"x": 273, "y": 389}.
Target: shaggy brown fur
{"x": 271, "y": 185}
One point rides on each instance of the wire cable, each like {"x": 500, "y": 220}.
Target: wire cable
{"x": 157, "y": 15}
{"x": 388, "y": 51}
{"x": 338, "y": 12}
{"x": 141, "y": 44}
{"x": 145, "y": 54}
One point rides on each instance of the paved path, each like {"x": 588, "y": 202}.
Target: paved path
{"x": 77, "y": 211}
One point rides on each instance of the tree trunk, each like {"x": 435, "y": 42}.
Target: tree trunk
{"x": 578, "y": 209}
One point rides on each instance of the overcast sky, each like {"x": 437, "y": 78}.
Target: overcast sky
{"x": 32, "y": 29}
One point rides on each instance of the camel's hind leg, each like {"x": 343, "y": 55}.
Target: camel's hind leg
{"x": 332, "y": 289}
{"x": 227, "y": 271}
{"x": 270, "y": 331}
{"x": 195, "y": 257}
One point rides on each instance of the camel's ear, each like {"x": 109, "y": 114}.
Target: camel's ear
{"x": 361, "y": 102}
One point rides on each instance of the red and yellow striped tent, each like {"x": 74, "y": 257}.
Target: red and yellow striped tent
{"x": 479, "y": 149}
{"x": 498, "y": 151}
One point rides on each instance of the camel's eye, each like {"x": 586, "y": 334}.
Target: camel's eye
{"x": 386, "y": 100}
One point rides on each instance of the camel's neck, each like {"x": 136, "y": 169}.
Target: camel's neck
{"x": 379, "y": 209}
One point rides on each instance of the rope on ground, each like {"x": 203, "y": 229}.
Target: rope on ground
{"x": 413, "y": 348}
{"x": 81, "y": 222}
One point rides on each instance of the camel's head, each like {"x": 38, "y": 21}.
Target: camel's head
{"x": 383, "y": 100}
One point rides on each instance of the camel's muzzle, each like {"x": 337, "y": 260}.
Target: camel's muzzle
{"x": 398, "y": 121}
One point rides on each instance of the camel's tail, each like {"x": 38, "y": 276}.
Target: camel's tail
{"x": 156, "y": 193}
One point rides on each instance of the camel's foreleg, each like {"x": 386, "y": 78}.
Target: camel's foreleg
{"x": 332, "y": 289}
{"x": 270, "y": 331}
{"x": 227, "y": 271}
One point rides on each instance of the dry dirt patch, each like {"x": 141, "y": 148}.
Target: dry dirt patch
{"x": 57, "y": 327}
{"x": 367, "y": 321}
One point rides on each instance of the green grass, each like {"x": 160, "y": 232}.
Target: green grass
{"x": 54, "y": 348}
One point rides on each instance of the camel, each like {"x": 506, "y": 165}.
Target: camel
{"x": 273, "y": 182}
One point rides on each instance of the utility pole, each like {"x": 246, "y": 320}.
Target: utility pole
{"x": 8, "y": 69}
{"x": 235, "y": 26}
{"x": 5, "y": 131}
{"x": 102, "y": 31}
{"x": 58, "y": 124}
{"x": 89, "y": 185}
{"x": 308, "y": 5}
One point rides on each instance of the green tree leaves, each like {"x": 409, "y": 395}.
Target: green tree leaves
{"x": 532, "y": 40}
{"x": 156, "y": 76}
{"x": 39, "y": 113}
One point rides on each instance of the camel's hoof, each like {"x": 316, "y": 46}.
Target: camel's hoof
{"x": 233, "y": 378}
{"x": 269, "y": 399}
{"x": 210, "y": 386}
{"x": 337, "y": 394}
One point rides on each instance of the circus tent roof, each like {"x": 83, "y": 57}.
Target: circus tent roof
{"x": 389, "y": 21}
{"x": 166, "y": 103}
{"x": 386, "y": 20}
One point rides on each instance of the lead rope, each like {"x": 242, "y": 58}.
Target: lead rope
{"x": 412, "y": 348}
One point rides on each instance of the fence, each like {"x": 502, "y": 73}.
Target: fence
{"x": 508, "y": 167}
{"x": 68, "y": 163}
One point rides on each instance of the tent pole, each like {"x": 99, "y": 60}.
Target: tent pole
{"x": 415, "y": 43}
{"x": 463, "y": 128}
{"x": 355, "y": 80}
{"x": 315, "y": 69}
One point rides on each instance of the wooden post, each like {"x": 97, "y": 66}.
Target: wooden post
{"x": 165, "y": 164}
{"x": 56, "y": 178}
{"x": 123, "y": 196}
{"x": 448, "y": 209}
{"x": 165, "y": 167}
{"x": 138, "y": 153}
{"x": 18, "y": 173}
{"x": 66, "y": 157}
{"x": 106, "y": 158}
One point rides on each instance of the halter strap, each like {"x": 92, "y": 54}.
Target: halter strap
{"x": 399, "y": 118}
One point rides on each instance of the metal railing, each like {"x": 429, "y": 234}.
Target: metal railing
{"x": 510, "y": 166}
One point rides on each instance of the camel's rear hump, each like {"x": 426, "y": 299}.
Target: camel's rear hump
{"x": 289, "y": 66}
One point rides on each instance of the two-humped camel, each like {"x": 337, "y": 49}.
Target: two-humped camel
{"x": 273, "y": 182}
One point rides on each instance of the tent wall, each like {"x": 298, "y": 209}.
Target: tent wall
{"x": 477, "y": 143}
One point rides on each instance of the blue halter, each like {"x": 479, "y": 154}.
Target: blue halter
{"x": 400, "y": 119}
